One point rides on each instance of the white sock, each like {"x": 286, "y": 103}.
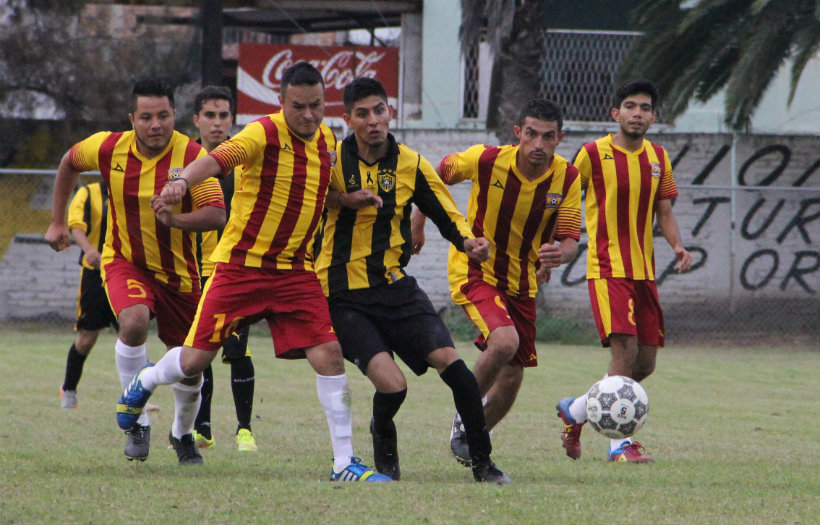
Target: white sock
{"x": 334, "y": 395}
{"x": 187, "y": 399}
{"x": 615, "y": 443}
{"x": 129, "y": 360}
{"x": 167, "y": 371}
{"x": 578, "y": 409}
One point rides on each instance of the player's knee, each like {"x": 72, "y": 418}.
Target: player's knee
{"x": 503, "y": 342}
{"x": 642, "y": 370}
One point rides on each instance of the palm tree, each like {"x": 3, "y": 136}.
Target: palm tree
{"x": 513, "y": 29}
{"x": 738, "y": 45}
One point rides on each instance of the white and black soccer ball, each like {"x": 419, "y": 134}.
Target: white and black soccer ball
{"x": 617, "y": 406}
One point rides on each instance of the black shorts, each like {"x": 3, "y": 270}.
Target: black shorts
{"x": 395, "y": 318}
{"x": 235, "y": 347}
{"x": 93, "y": 309}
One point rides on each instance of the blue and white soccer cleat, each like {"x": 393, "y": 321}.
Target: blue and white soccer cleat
{"x": 132, "y": 400}
{"x": 355, "y": 471}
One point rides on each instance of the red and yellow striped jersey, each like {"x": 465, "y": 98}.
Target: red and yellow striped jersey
{"x": 622, "y": 188}
{"x": 133, "y": 233}
{"x": 280, "y": 193}
{"x": 515, "y": 214}
{"x": 88, "y": 212}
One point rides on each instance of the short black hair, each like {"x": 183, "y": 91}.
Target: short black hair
{"x": 542, "y": 109}
{"x": 152, "y": 87}
{"x": 635, "y": 87}
{"x": 362, "y": 88}
{"x": 212, "y": 93}
{"x": 300, "y": 74}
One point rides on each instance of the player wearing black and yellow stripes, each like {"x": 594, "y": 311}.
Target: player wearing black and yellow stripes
{"x": 376, "y": 308}
{"x": 87, "y": 219}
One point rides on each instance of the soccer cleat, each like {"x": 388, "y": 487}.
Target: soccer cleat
{"x": 68, "y": 399}
{"x": 385, "y": 452}
{"x": 486, "y": 472}
{"x": 355, "y": 471}
{"x": 132, "y": 400}
{"x": 186, "y": 450}
{"x": 137, "y": 442}
{"x": 245, "y": 441}
{"x": 203, "y": 442}
{"x": 458, "y": 442}
{"x": 571, "y": 433}
{"x": 630, "y": 453}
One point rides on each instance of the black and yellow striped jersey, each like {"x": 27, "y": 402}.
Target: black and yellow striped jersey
{"x": 370, "y": 247}
{"x": 88, "y": 212}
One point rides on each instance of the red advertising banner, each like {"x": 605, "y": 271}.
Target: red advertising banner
{"x": 261, "y": 66}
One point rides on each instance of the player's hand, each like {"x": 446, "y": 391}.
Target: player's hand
{"x": 361, "y": 199}
{"x": 684, "y": 259}
{"x": 162, "y": 210}
{"x": 57, "y": 237}
{"x": 173, "y": 191}
{"x": 417, "y": 221}
{"x": 93, "y": 257}
{"x": 478, "y": 249}
{"x": 550, "y": 255}
{"x": 542, "y": 275}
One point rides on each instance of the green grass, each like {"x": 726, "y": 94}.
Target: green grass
{"x": 734, "y": 431}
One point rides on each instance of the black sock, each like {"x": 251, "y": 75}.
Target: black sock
{"x": 385, "y": 406}
{"x": 242, "y": 385}
{"x": 203, "y": 418}
{"x": 73, "y": 368}
{"x": 467, "y": 398}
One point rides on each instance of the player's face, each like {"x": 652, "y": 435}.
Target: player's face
{"x": 635, "y": 115}
{"x": 153, "y": 122}
{"x": 214, "y": 121}
{"x": 303, "y": 107}
{"x": 537, "y": 141}
{"x": 370, "y": 120}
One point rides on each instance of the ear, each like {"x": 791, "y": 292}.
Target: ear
{"x": 196, "y": 119}
{"x": 131, "y": 119}
{"x": 517, "y": 131}
{"x": 615, "y": 113}
{"x": 346, "y": 118}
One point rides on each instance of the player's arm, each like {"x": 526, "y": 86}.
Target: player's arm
{"x": 92, "y": 255}
{"x": 64, "y": 183}
{"x": 193, "y": 174}
{"x": 668, "y": 225}
{"x": 356, "y": 200}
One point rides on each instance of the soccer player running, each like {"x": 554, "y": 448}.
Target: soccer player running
{"x": 524, "y": 198}
{"x": 87, "y": 217}
{"x": 213, "y": 117}
{"x": 262, "y": 269}
{"x": 629, "y": 183}
{"x": 376, "y": 308}
{"x": 148, "y": 262}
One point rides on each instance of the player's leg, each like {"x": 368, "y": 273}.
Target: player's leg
{"x": 202, "y": 423}
{"x": 502, "y": 343}
{"x": 243, "y": 382}
{"x": 502, "y": 395}
{"x": 75, "y": 361}
{"x": 391, "y": 390}
{"x": 467, "y": 399}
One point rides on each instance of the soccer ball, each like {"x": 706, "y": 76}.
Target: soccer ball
{"x": 617, "y": 407}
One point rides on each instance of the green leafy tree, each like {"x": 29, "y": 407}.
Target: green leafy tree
{"x": 739, "y": 45}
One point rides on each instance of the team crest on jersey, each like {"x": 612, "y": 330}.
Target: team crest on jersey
{"x": 387, "y": 180}
{"x": 553, "y": 200}
{"x": 332, "y": 157}
{"x": 174, "y": 173}
{"x": 656, "y": 169}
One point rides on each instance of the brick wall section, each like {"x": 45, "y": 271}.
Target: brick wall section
{"x": 772, "y": 256}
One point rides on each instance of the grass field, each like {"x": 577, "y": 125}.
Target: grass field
{"x": 735, "y": 433}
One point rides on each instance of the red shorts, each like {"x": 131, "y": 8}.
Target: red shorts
{"x": 291, "y": 301}
{"x": 490, "y": 308}
{"x": 627, "y": 306}
{"x": 127, "y": 285}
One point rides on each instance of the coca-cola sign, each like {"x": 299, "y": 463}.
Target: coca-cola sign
{"x": 259, "y": 74}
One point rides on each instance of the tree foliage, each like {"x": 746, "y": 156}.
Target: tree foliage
{"x": 738, "y": 45}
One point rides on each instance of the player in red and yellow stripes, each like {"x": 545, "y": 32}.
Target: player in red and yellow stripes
{"x": 524, "y": 198}
{"x": 629, "y": 185}
{"x": 263, "y": 270}
{"x": 148, "y": 261}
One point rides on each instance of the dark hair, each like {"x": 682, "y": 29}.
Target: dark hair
{"x": 212, "y": 93}
{"x": 635, "y": 87}
{"x": 362, "y": 88}
{"x": 542, "y": 109}
{"x": 300, "y": 74}
{"x": 152, "y": 87}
